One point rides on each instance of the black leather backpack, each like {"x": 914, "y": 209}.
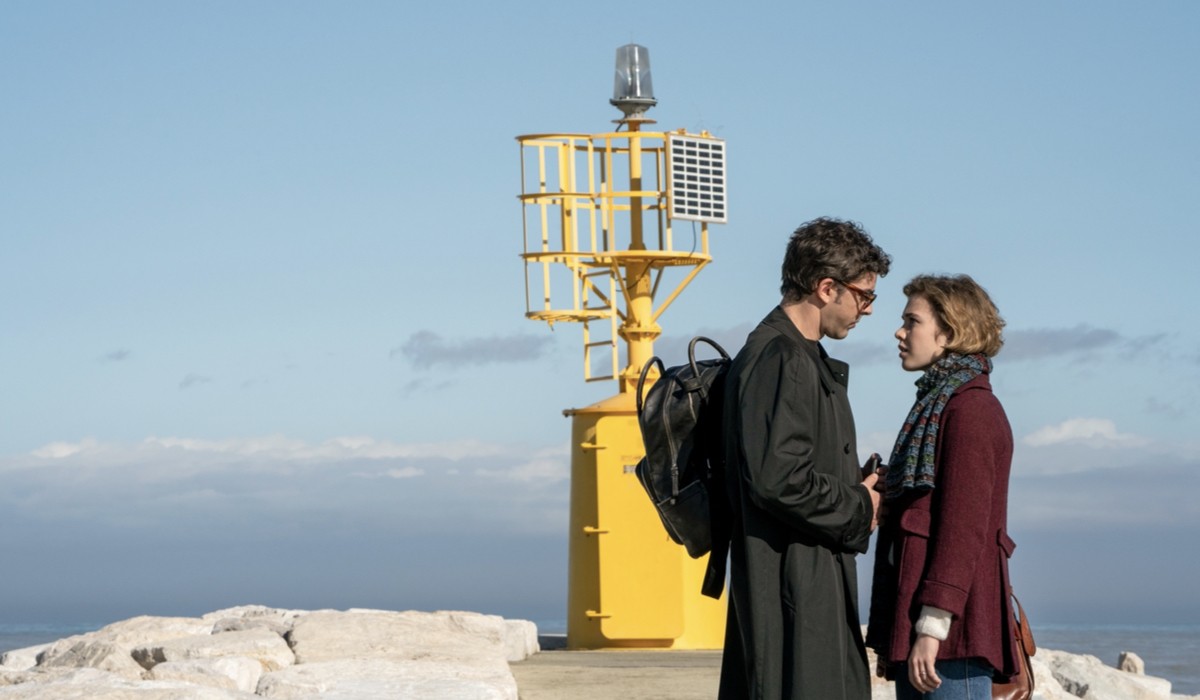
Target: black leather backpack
{"x": 683, "y": 471}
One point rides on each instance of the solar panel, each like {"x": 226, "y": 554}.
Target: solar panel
{"x": 696, "y": 183}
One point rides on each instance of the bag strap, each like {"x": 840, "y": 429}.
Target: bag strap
{"x": 692, "y": 352}
{"x": 1024, "y": 633}
{"x": 642, "y": 379}
{"x": 694, "y": 382}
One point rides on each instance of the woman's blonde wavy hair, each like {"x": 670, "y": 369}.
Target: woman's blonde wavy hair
{"x": 964, "y": 310}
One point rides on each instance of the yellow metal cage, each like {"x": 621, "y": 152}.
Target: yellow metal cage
{"x": 586, "y": 248}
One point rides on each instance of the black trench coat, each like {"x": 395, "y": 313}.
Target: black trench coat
{"x": 800, "y": 515}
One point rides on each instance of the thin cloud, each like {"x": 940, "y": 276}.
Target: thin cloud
{"x": 550, "y": 465}
{"x": 1086, "y": 475}
{"x": 425, "y": 349}
{"x": 405, "y": 473}
{"x": 421, "y": 387}
{"x": 1134, "y": 347}
{"x": 1053, "y": 342}
{"x": 453, "y": 486}
{"x": 861, "y": 354}
{"x": 62, "y": 450}
{"x": 116, "y": 356}
{"x": 192, "y": 379}
{"x": 267, "y": 508}
{"x": 1088, "y": 432}
{"x": 1162, "y": 408}
{"x": 280, "y": 448}
{"x": 1096, "y": 446}
{"x": 1134, "y": 493}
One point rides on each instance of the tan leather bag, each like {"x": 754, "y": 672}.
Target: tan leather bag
{"x": 1019, "y": 686}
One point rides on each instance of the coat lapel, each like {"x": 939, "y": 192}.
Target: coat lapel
{"x": 832, "y": 371}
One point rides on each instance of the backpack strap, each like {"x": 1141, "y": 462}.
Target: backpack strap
{"x": 692, "y": 350}
{"x": 694, "y": 382}
{"x": 645, "y": 371}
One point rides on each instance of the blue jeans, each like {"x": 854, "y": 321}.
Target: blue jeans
{"x": 962, "y": 679}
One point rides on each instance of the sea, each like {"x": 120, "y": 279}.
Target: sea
{"x": 1170, "y": 651}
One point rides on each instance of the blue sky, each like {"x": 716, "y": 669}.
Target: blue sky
{"x": 263, "y": 308}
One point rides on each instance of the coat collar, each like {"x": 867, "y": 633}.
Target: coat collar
{"x": 831, "y": 369}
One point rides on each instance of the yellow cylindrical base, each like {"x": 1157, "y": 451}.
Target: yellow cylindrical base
{"x": 629, "y": 585}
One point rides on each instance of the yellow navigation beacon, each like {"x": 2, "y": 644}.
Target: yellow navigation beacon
{"x": 611, "y": 222}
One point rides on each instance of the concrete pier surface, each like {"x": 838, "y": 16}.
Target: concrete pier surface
{"x": 617, "y": 674}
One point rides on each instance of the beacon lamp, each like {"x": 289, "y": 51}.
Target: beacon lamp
{"x": 633, "y": 92}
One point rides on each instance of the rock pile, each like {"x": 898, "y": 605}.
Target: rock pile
{"x": 255, "y": 651}
{"x": 1059, "y": 675}
{"x": 259, "y": 652}
{"x": 1063, "y": 676}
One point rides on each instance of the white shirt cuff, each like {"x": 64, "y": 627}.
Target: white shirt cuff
{"x": 934, "y": 622}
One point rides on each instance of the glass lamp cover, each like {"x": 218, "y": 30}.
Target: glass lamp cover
{"x": 632, "y": 82}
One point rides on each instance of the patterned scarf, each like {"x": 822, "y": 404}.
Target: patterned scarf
{"x": 912, "y": 462}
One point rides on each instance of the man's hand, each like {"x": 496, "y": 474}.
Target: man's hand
{"x": 921, "y": 660}
{"x": 876, "y": 498}
{"x": 873, "y": 465}
{"x": 872, "y": 472}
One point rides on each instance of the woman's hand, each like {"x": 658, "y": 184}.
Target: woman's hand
{"x": 921, "y": 660}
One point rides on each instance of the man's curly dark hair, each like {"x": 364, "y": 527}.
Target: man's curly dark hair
{"x": 826, "y": 247}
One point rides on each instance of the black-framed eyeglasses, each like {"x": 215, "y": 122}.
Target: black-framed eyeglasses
{"x": 865, "y": 297}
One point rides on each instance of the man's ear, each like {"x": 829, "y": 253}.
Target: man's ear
{"x": 827, "y": 290}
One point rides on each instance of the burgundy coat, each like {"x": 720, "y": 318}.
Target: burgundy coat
{"x": 948, "y": 546}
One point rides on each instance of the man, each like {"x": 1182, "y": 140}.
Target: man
{"x": 801, "y": 507}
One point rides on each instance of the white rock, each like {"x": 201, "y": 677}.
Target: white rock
{"x": 1045, "y": 685}
{"x": 10, "y": 677}
{"x": 108, "y": 648}
{"x": 21, "y": 659}
{"x": 247, "y": 617}
{"x": 360, "y": 654}
{"x": 377, "y": 634}
{"x": 96, "y": 654}
{"x": 370, "y": 654}
{"x": 93, "y": 684}
{"x": 520, "y": 640}
{"x": 263, "y": 645}
{"x": 230, "y": 672}
{"x": 140, "y": 630}
{"x": 386, "y": 679}
{"x": 254, "y": 612}
{"x": 1130, "y": 662}
{"x": 49, "y": 675}
{"x": 1087, "y": 677}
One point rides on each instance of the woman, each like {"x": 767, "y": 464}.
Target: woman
{"x": 940, "y": 612}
